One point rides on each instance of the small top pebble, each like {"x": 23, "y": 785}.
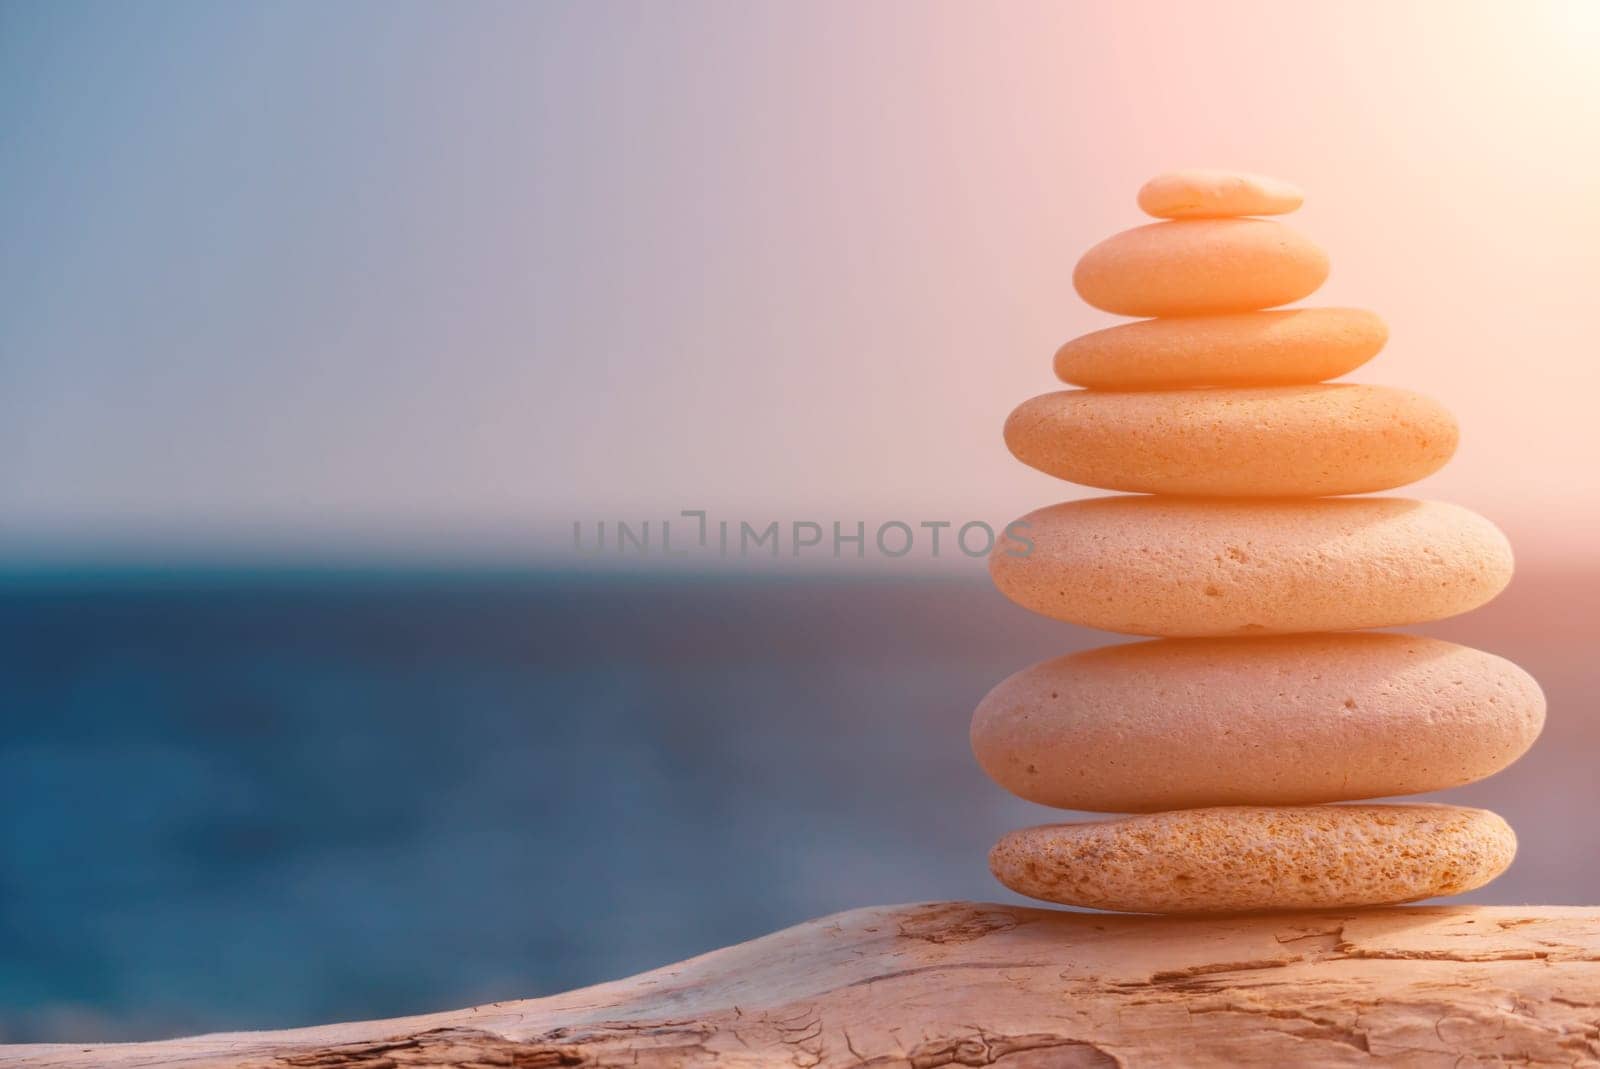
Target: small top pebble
{"x": 1208, "y": 194}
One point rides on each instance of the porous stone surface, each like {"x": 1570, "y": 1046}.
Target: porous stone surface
{"x": 1236, "y": 858}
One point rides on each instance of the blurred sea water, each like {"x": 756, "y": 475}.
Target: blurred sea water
{"x": 258, "y": 800}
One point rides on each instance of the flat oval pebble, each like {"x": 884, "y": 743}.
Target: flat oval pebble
{"x": 1272, "y": 441}
{"x": 1285, "y": 347}
{"x": 1185, "y": 723}
{"x": 1200, "y": 267}
{"x": 1233, "y": 859}
{"x": 1210, "y": 194}
{"x": 1193, "y": 567}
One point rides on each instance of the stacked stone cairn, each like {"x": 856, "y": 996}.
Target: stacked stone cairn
{"x": 1262, "y": 699}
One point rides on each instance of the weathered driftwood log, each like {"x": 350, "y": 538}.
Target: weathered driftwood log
{"x": 960, "y": 983}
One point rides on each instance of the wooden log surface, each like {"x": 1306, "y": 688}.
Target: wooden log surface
{"x": 968, "y": 984}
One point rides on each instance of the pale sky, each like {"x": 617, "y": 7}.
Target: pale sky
{"x": 299, "y": 275}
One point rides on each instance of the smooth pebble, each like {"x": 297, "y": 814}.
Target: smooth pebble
{"x": 1292, "y": 720}
{"x": 1279, "y": 348}
{"x": 1193, "y": 567}
{"x": 1203, "y": 193}
{"x": 1272, "y": 441}
{"x": 1200, "y": 267}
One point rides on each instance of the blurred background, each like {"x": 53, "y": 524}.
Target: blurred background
{"x": 322, "y": 326}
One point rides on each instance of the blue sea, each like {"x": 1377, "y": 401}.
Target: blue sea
{"x": 256, "y": 800}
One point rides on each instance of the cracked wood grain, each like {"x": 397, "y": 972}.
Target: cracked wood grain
{"x": 967, "y": 984}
